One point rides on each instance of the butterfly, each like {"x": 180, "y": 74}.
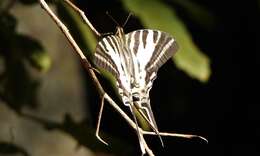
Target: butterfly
{"x": 134, "y": 59}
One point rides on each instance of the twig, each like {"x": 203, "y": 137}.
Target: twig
{"x": 82, "y": 14}
{"x": 99, "y": 121}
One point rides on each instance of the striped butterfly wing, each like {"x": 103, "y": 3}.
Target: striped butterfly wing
{"x": 111, "y": 54}
{"x": 138, "y": 56}
{"x": 134, "y": 60}
{"x": 151, "y": 48}
{"x": 107, "y": 55}
{"x": 148, "y": 49}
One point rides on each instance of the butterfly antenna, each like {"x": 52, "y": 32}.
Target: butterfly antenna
{"x": 128, "y": 17}
{"x": 112, "y": 18}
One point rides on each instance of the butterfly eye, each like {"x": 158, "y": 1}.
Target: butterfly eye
{"x": 136, "y": 98}
{"x": 144, "y": 104}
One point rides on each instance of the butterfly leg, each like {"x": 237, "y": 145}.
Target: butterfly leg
{"x": 99, "y": 120}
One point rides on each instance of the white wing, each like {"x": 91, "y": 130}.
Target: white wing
{"x": 113, "y": 56}
{"x": 152, "y": 48}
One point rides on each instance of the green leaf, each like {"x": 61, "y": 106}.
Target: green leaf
{"x": 197, "y": 13}
{"x": 156, "y": 15}
{"x": 33, "y": 52}
{"x": 41, "y": 60}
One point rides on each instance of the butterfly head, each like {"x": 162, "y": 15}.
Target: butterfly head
{"x": 120, "y": 32}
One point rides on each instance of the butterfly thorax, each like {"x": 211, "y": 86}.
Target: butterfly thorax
{"x": 120, "y": 33}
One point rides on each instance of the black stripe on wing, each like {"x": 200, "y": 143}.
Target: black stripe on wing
{"x": 165, "y": 48}
{"x": 160, "y": 44}
{"x": 103, "y": 56}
